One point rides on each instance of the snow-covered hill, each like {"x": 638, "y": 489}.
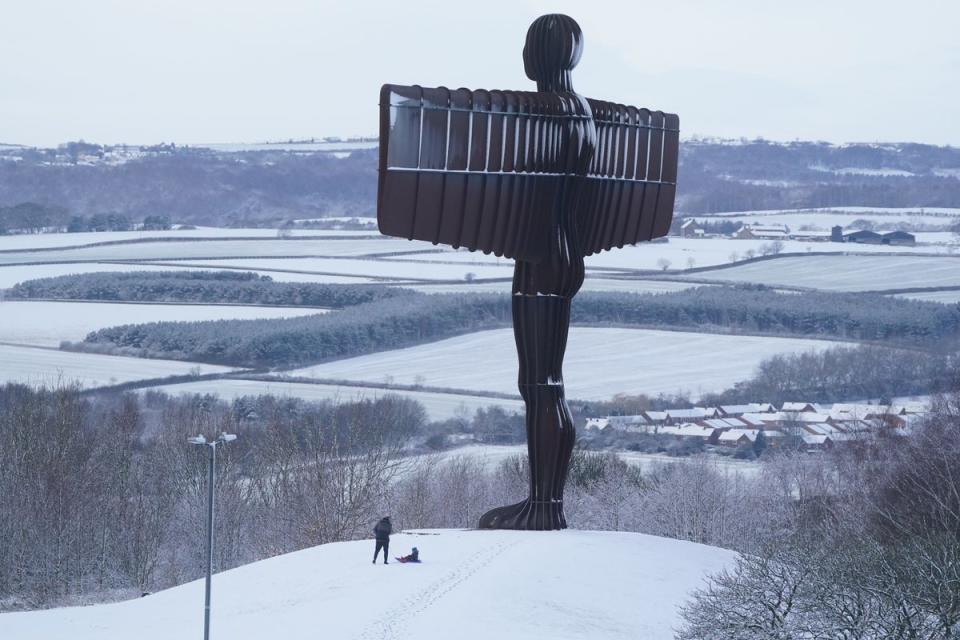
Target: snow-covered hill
{"x": 471, "y": 585}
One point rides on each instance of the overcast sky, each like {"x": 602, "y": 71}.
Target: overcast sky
{"x": 194, "y": 71}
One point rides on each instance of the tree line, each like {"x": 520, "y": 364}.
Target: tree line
{"x": 404, "y": 320}
{"x": 218, "y": 287}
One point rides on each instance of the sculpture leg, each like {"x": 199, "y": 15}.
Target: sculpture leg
{"x": 541, "y": 323}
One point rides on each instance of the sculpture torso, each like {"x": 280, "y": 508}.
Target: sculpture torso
{"x": 560, "y": 273}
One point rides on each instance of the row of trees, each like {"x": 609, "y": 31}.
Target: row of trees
{"x": 30, "y": 217}
{"x": 200, "y": 286}
{"x": 404, "y": 320}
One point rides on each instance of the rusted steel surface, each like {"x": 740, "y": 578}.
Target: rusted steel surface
{"x": 544, "y": 177}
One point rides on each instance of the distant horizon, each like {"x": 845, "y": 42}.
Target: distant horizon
{"x": 322, "y": 139}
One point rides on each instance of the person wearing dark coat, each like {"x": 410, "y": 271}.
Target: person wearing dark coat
{"x": 382, "y": 531}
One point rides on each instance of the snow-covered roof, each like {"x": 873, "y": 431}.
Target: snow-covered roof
{"x": 800, "y": 406}
{"x": 693, "y": 412}
{"x": 597, "y": 423}
{"x": 804, "y": 416}
{"x": 865, "y": 410}
{"x": 687, "y": 430}
{"x": 724, "y": 423}
{"x": 750, "y": 407}
{"x": 656, "y": 416}
{"x": 760, "y": 418}
{"x": 733, "y": 435}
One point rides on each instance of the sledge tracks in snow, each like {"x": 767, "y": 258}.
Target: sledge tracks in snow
{"x": 392, "y": 624}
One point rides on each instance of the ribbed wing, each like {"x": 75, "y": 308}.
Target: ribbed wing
{"x": 475, "y": 169}
{"x": 632, "y": 181}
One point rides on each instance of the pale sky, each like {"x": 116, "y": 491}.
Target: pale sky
{"x": 195, "y": 71}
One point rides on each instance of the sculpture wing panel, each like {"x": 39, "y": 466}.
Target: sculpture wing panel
{"x": 472, "y": 169}
{"x": 631, "y": 183}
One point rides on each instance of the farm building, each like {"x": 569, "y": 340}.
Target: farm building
{"x": 899, "y": 238}
{"x": 864, "y": 236}
{"x": 762, "y": 232}
{"x": 691, "y": 229}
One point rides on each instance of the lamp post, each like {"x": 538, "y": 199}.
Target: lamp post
{"x": 223, "y": 438}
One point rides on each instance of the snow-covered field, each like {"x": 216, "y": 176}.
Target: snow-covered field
{"x": 47, "y": 240}
{"x": 946, "y": 297}
{"x": 14, "y": 274}
{"x": 48, "y": 323}
{"x": 50, "y": 367}
{"x": 491, "y": 456}
{"x": 824, "y": 219}
{"x": 599, "y": 362}
{"x": 11, "y": 275}
{"x": 845, "y": 273}
{"x": 681, "y": 253}
{"x": 471, "y": 585}
{"x": 370, "y": 268}
{"x": 625, "y": 285}
{"x": 439, "y": 406}
{"x": 267, "y": 247}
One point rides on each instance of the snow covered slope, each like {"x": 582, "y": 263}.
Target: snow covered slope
{"x": 471, "y": 585}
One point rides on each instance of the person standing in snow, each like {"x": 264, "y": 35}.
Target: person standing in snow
{"x": 382, "y": 531}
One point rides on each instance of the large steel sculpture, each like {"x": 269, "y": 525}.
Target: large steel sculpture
{"x": 545, "y": 178}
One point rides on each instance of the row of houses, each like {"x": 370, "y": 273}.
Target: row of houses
{"x": 736, "y": 425}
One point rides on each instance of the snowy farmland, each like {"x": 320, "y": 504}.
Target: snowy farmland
{"x": 15, "y": 274}
{"x": 386, "y": 269}
{"x": 146, "y": 251}
{"x": 951, "y": 296}
{"x": 599, "y": 362}
{"x": 439, "y": 406}
{"x": 591, "y": 283}
{"x": 41, "y": 366}
{"x": 534, "y": 581}
{"x": 47, "y": 324}
{"x": 491, "y": 456}
{"x": 681, "y": 253}
{"x": 30, "y": 241}
{"x": 824, "y": 219}
{"x": 845, "y": 273}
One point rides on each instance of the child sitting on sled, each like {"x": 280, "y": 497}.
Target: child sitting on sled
{"x": 413, "y": 557}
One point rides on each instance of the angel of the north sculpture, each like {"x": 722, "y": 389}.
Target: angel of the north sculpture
{"x": 545, "y": 177}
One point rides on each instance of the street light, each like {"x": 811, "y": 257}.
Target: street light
{"x": 223, "y": 438}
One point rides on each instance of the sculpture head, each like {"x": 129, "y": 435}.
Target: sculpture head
{"x": 553, "y": 47}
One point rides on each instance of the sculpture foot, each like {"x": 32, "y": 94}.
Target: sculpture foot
{"x": 528, "y": 515}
